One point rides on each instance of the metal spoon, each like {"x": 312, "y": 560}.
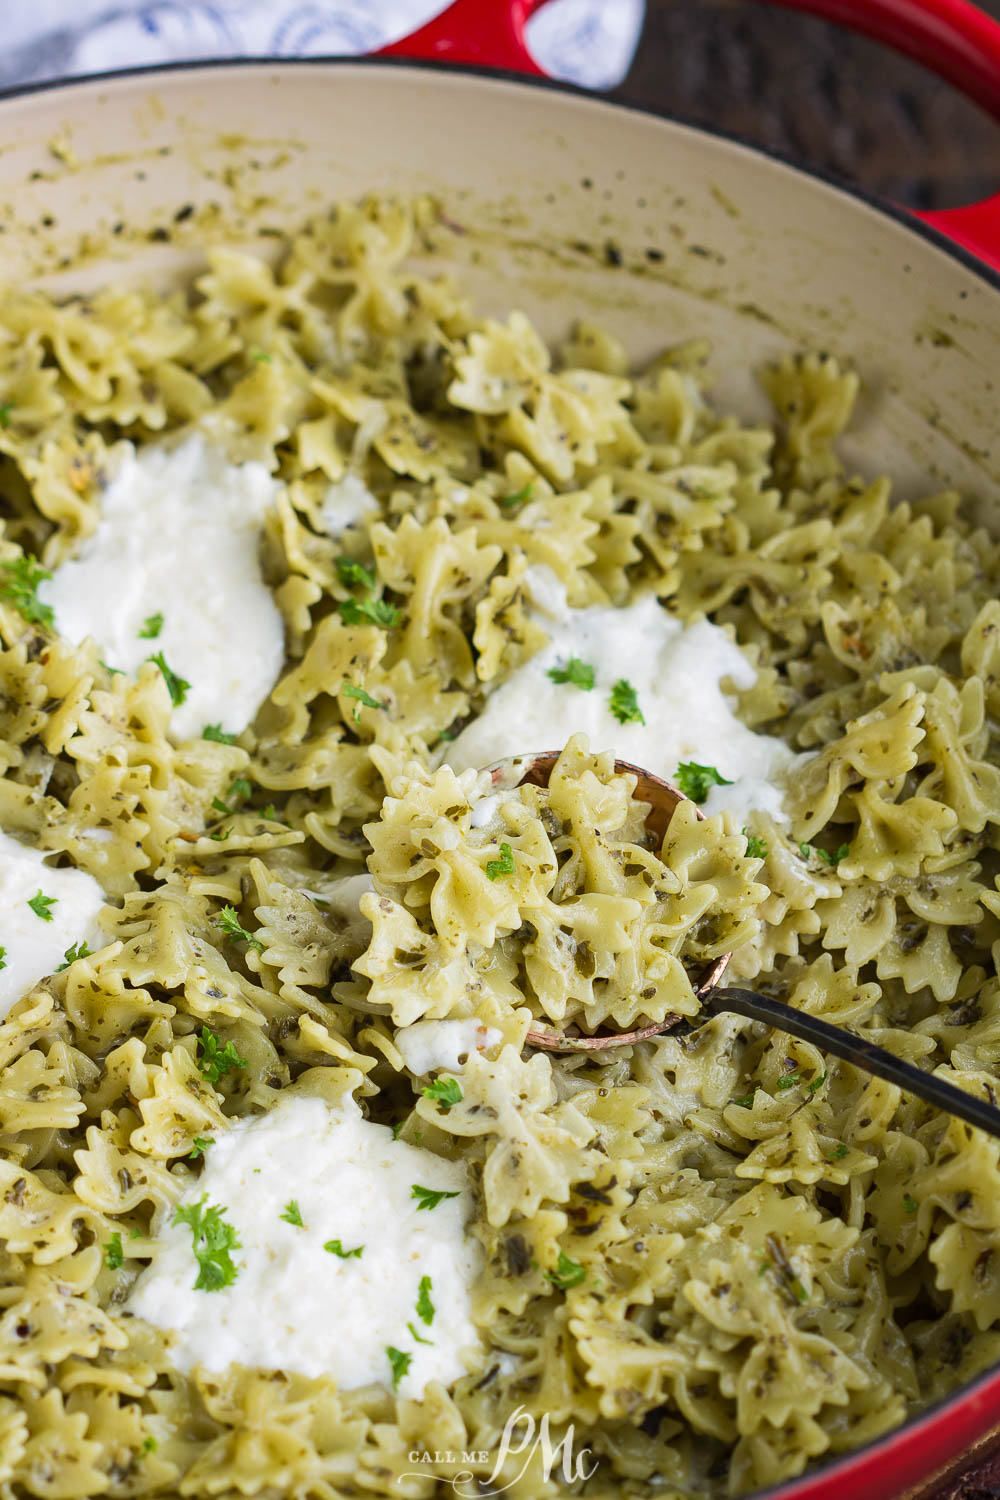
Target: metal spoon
{"x": 534, "y": 770}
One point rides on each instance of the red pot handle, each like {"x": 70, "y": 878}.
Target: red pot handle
{"x": 954, "y": 38}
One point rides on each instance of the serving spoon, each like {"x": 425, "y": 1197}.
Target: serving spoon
{"x": 663, "y": 799}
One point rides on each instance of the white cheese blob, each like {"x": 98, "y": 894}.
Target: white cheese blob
{"x": 295, "y": 1305}
{"x": 677, "y": 673}
{"x": 32, "y": 946}
{"x": 348, "y": 502}
{"x": 429, "y": 1045}
{"x": 178, "y": 536}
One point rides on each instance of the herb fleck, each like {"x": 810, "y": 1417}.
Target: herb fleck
{"x": 495, "y": 868}
{"x": 517, "y": 498}
{"x": 336, "y": 1248}
{"x": 216, "y": 1060}
{"x": 400, "y": 1363}
{"x": 19, "y": 587}
{"x": 910, "y": 1204}
{"x": 425, "y": 1307}
{"x": 624, "y": 703}
{"x": 363, "y": 698}
{"x": 177, "y": 687}
{"x": 567, "y": 1273}
{"x": 40, "y": 905}
{"x": 212, "y": 1240}
{"x": 151, "y": 627}
{"x": 229, "y": 922}
{"x": 114, "y": 1256}
{"x": 756, "y": 847}
{"x": 577, "y": 673}
{"x": 292, "y": 1214}
{"x": 447, "y": 1091}
{"x": 199, "y": 1146}
{"x": 354, "y": 573}
{"x": 696, "y": 781}
{"x": 429, "y": 1197}
{"x": 78, "y": 950}
{"x": 218, "y": 734}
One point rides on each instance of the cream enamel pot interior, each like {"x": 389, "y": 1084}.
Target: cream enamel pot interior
{"x": 562, "y": 205}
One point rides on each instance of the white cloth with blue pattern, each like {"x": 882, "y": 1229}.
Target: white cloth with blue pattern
{"x": 589, "y": 42}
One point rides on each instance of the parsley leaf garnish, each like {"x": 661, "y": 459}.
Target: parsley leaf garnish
{"x": 502, "y": 866}
{"x": 19, "y": 587}
{"x": 417, "y": 1337}
{"x": 789, "y": 1081}
{"x": 375, "y": 611}
{"x": 40, "y": 905}
{"x": 199, "y": 1146}
{"x": 177, "y": 687}
{"x": 624, "y": 703}
{"x": 336, "y": 1248}
{"x": 242, "y": 787}
{"x": 78, "y": 950}
{"x": 6, "y": 407}
{"x": 910, "y": 1204}
{"x": 747, "y": 1101}
{"x": 833, "y": 860}
{"x": 817, "y": 1083}
{"x": 151, "y": 627}
{"x": 3, "y": 958}
{"x": 149, "y": 1445}
{"x": 838, "y": 1151}
{"x": 228, "y": 920}
{"x": 292, "y": 1214}
{"x": 756, "y": 847}
{"x": 221, "y": 807}
{"x": 216, "y": 1060}
{"x": 425, "y": 1307}
{"x": 114, "y": 1256}
{"x": 400, "y": 1363}
{"x": 353, "y": 573}
{"x": 447, "y": 1091}
{"x": 363, "y": 698}
{"x": 218, "y": 734}
{"x": 518, "y": 497}
{"x": 429, "y": 1197}
{"x": 577, "y": 673}
{"x": 112, "y": 671}
{"x": 696, "y": 781}
{"x": 568, "y": 1272}
{"x": 212, "y": 1239}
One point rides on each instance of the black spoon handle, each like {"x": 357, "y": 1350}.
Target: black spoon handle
{"x": 863, "y": 1054}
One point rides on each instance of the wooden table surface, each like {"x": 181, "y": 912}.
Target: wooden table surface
{"x": 838, "y": 103}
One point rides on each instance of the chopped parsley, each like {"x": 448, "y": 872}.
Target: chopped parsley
{"x": 429, "y": 1197}
{"x": 624, "y": 703}
{"x": 363, "y": 699}
{"x": 568, "y": 1272}
{"x": 417, "y": 1337}
{"x": 270, "y": 814}
{"x": 910, "y": 1204}
{"x": 40, "y": 905}
{"x": 447, "y": 1091}
{"x": 151, "y": 627}
{"x": 518, "y": 497}
{"x": 21, "y": 577}
{"x": 212, "y": 1240}
{"x": 756, "y": 847}
{"x": 229, "y": 922}
{"x": 778, "y": 1262}
{"x": 177, "y": 687}
{"x": 839, "y": 1151}
{"x": 789, "y": 1081}
{"x": 495, "y": 868}
{"x": 3, "y": 958}
{"x": 292, "y": 1214}
{"x": 199, "y": 1146}
{"x": 114, "y": 1255}
{"x": 353, "y": 573}
{"x": 78, "y": 950}
{"x": 336, "y": 1248}
{"x": 260, "y": 356}
{"x": 577, "y": 673}
{"x": 696, "y": 781}
{"x": 6, "y": 407}
{"x": 112, "y": 671}
{"x": 242, "y": 787}
{"x": 425, "y": 1307}
{"x": 216, "y": 1060}
{"x": 218, "y": 734}
{"x": 747, "y": 1101}
{"x": 817, "y": 1084}
{"x": 400, "y": 1363}
{"x": 372, "y": 610}
{"x": 221, "y": 807}
{"x": 833, "y": 860}
{"x": 149, "y": 1445}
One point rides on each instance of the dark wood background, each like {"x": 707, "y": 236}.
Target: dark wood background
{"x": 838, "y": 103}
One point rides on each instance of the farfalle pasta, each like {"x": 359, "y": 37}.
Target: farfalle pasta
{"x": 717, "y": 1255}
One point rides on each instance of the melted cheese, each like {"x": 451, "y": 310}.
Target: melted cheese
{"x": 295, "y": 1305}
{"x": 678, "y": 673}
{"x": 179, "y": 535}
{"x": 34, "y": 947}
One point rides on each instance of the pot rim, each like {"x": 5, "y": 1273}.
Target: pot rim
{"x": 882, "y": 1447}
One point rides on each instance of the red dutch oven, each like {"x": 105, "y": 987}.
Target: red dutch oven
{"x": 565, "y": 205}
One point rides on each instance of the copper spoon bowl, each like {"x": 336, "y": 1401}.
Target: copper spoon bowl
{"x": 663, "y": 798}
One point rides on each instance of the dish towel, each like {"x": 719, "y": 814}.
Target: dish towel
{"x": 589, "y": 42}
